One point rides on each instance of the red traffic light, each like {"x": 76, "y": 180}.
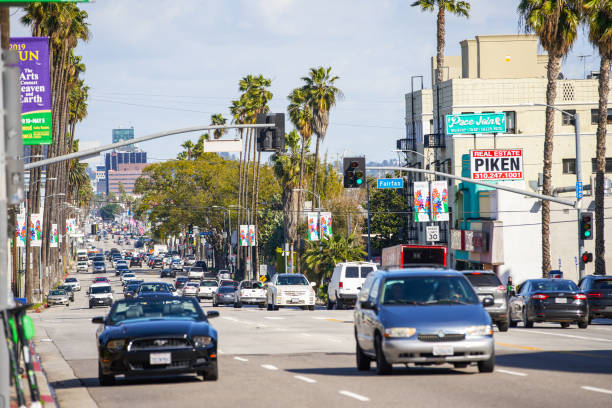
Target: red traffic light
{"x": 587, "y": 257}
{"x": 354, "y": 164}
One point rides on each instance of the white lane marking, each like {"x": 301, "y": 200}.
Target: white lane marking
{"x": 240, "y": 359}
{"x": 274, "y": 318}
{"x": 571, "y": 336}
{"x": 511, "y": 372}
{"x": 602, "y": 390}
{"x": 305, "y": 379}
{"x": 232, "y": 319}
{"x": 306, "y": 334}
{"x": 269, "y": 367}
{"x": 353, "y": 395}
{"x": 320, "y": 318}
{"x": 46, "y": 340}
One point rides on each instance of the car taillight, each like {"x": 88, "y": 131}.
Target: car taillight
{"x": 580, "y": 296}
{"x": 501, "y": 288}
{"x": 595, "y": 294}
{"x": 340, "y": 285}
{"x": 539, "y": 296}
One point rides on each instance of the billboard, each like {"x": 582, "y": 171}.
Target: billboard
{"x": 439, "y": 200}
{"x": 21, "y": 230}
{"x": 36, "y": 229}
{"x": 53, "y": 236}
{"x": 472, "y": 123}
{"x": 313, "y": 226}
{"x": 496, "y": 164}
{"x": 35, "y": 88}
{"x": 421, "y": 201}
{"x": 325, "y": 224}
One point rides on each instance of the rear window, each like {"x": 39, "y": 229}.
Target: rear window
{"x": 366, "y": 270}
{"x": 484, "y": 279}
{"x": 604, "y": 284}
{"x": 351, "y": 272}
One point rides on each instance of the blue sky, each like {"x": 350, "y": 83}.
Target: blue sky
{"x": 159, "y": 65}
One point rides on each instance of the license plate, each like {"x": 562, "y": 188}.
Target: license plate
{"x": 295, "y": 300}
{"x": 443, "y": 350}
{"x": 560, "y": 300}
{"x": 160, "y": 358}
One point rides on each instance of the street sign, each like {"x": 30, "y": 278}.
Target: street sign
{"x": 468, "y": 124}
{"x": 206, "y": 233}
{"x": 579, "y": 191}
{"x": 498, "y": 164}
{"x": 390, "y": 183}
{"x": 433, "y": 233}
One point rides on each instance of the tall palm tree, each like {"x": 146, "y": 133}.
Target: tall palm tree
{"x": 599, "y": 20}
{"x": 300, "y": 114}
{"x": 322, "y": 95}
{"x": 218, "y": 119}
{"x": 556, "y": 23}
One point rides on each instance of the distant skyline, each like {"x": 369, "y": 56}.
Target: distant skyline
{"x": 158, "y": 65}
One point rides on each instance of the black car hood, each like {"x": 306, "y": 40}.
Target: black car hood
{"x": 157, "y": 327}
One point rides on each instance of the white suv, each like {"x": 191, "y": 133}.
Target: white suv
{"x": 346, "y": 282}
{"x": 290, "y": 289}
{"x": 82, "y": 266}
{"x": 100, "y": 294}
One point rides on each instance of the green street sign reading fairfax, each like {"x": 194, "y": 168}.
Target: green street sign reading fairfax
{"x": 471, "y": 123}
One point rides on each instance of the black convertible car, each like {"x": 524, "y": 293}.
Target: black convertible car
{"x": 156, "y": 335}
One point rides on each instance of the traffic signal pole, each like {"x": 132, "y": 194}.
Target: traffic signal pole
{"x": 581, "y": 265}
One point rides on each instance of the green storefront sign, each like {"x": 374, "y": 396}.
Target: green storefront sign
{"x": 471, "y": 123}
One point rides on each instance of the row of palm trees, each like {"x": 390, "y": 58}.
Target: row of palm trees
{"x": 556, "y": 23}
{"x": 65, "y": 25}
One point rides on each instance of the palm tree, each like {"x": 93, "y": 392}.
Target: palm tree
{"x": 218, "y": 119}
{"x": 321, "y": 257}
{"x": 599, "y": 20}
{"x": 556, "y": 24}
{"x": 321, "y": 94}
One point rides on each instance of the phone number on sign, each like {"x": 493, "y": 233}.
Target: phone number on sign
{"x": 498, "y": 176}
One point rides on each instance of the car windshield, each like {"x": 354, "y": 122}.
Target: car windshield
{"x": 226, "y": 289}
{"x": 251, "y": 285}
{"x": 154, "y": 287}
{"x": 71, "y": 280}
{"x": 194, "y": 284}
{"x": 128, "y": 275}
{"x": 228, "y": 283}
{"x": 553, "y": 285}
{"x": 175, "y": 308}
{"x": 427, "y": 290}
{"x": 292, "y": 280}
{"x": 66, "y": 288}
{"x": 132, "y": 288}
{"x": 483, "y": 279}
{"x": 57, "y": 292}
{"x": 208, "y": 283}
{"x": 100, "y": 289}
{"x": 603, "y": 284}
{"x": 98, "y": 263}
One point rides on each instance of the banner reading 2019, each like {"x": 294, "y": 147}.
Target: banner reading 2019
{"x": 35, "y": 89}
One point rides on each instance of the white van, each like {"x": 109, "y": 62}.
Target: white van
{"x": 346, "y": 282}
{"x": 82, "y": 255}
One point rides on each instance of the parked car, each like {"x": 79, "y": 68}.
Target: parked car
{"x": 100, "y": 294}
{"x": 191, "y": 289}
{"x": 421, "y": 316}
{"x": 162, "y": 329}
{"x": 74, "y": 282}
{"x": 180, "y": 282}
{"x": 58, "y": 297}
{"x": 345, "y": 283}
{"x": 224, "y": 296}
{"x": 487, "y": 284}
{"x": 170, "y": 273}
{"x": 250, "y": 292}
{"x": 290, "y": 289}
{"x": 68, "y": 290}
{"x": 82, "y": 266}
{"x": 207, "y": 288}
{"x": 549, "y": 300}
{"x": 598, "y": 290}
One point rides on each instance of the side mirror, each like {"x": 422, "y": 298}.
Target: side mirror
{"x": 98, "y": 320}
{"x": 313, "y": 284}
{"x": 212, "y": 313}
{"x": 369, "y": 305}
{"x": 486, "y": 302}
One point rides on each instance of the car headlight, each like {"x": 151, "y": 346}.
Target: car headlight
{"x": 115, "y": 345}
{"x": 484, "y": 330}
{"x": 201, "y": 341}
{"x": 400, "y": 332}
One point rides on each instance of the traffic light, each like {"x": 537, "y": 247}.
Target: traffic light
{"x": 271, "y": 139}
{"x": 190, "y": 229}
{"x": 354, "y": 172}
{"x": 586, "y": 225}
{"x": 587, "y": 257}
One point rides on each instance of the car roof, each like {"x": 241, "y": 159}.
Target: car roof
{"x": 417, "y": 272}
{"x": 95, "y": 285}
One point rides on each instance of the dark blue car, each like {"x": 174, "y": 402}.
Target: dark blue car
{"x": 156, "y": 335}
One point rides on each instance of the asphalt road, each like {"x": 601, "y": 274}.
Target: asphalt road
{"x": 298, "y": 358}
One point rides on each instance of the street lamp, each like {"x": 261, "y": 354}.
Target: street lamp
{"x": 578, "y": 204}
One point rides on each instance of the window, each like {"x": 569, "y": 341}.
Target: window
{"x": 595, "y": 116}
{"x": 366, "y": 270}
{"x": 374, "y": 291}
{"x": 569, "y": 166}
{"x": 568, "y": 120}
{"x": 351, "y": 272}
{"x": 510, "y": 121}
{"x": 608, "y": 165}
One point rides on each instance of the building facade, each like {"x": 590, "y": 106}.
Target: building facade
{"x": 113, "y": 161}
{"x": 506, "y": 74}
{"x": 126, "y": 176}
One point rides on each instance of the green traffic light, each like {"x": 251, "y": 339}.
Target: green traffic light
{"x": 587, "y": 233}
{"x": 359, "y": 181}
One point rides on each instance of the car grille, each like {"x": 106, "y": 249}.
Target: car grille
{"x": 147, "y": 366}
{"x": 293, "y": 293}
{"x": 158, "y": 344}
{"x": 434, "y": 338}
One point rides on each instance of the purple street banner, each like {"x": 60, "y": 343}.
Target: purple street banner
{"x": 35, "y": 89}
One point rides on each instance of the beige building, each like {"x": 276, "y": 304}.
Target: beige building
{"x": 126, "y": 175}
{"x": 504, "y": 73}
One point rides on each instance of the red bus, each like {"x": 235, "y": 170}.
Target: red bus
{"x": 406, "y": 256}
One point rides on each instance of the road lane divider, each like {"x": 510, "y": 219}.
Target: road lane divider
{"x": 595, "y": 389}
{"x": 305, "y": 379}
{"x": 517, "y": 346}
{"x": 510, "y": 372}
{"x": 269, "y": 367}
{"x": 353, "y": 395}
{"x": 240, "y": 359}
{"x": 571, "y": 336}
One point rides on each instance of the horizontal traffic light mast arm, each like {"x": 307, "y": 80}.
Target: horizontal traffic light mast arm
{"x": 574, "y": 204}
{"x": 94, "y": 151}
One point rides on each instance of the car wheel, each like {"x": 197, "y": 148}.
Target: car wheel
{"x": 503, "y": 325}
{"x": 382, "y": 366}
{"x": 526, "y": 322}
{"x": 105, "y": 379}
{"x": 565, "y": 325}
{"x": 211, "y": 375}
{"x": 487, "y": 366}
{"x": 363, "y": 361}
{"x": 583, "y": 324}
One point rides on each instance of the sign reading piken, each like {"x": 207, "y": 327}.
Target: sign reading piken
{"x": 498, "y": 164}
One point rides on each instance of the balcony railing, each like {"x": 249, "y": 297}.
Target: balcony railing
{"x": 434, "y": 140}
{"x": 406, "y": 144}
